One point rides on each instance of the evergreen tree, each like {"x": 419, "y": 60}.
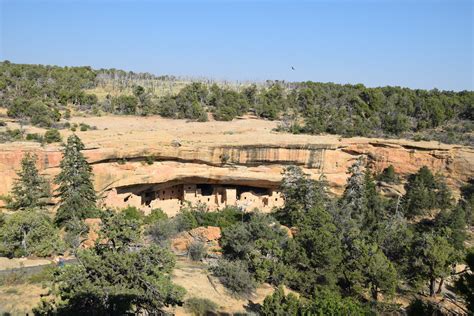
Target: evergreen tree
{"x": 29, "y": 233}
{"x": 75, "y": 188}
{"x": 452, "y": 225}
{"x": 465, "y": 285}
{"x": 30, "y": 190}
{"x": 315, "y": 252}
{"x": 113, "y": 279}
{"x": 432, "y": 259}
{"x": 467, "y": 201}
{"x": 420, "y": 194}
{"x": 380, "y": 274}
{"x": 301, "y": 195}
{"x": 279, "y": 304}
{"x": 354, "y": 201}
{"x": 388, "y": 175}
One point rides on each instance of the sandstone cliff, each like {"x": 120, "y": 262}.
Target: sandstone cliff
{"x": 244, "y": 152}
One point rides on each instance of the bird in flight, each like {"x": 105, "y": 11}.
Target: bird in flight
{"x": 292, "y": 68}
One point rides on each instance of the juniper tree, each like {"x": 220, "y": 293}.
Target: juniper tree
{"x": 75, "y": 188}
{"x": 115, "y": 277}
{"x": 432, "y": 259}
{"x": 465, "y": 285}
{"x": 420, "y": 193}
{"x": 29, "y": 233}
{"x": 301, "y": 195}
{"x": 30, "y": 190}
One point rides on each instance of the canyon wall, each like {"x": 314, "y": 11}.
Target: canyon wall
{"x": 256, "y": 164}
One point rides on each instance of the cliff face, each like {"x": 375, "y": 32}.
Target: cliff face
{"x": 256, "y": 165}
{"x": 248, "y": 156}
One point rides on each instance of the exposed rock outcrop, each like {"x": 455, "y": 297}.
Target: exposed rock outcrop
{"x": 254, "y": 157}
{"x": 209, "y": 235}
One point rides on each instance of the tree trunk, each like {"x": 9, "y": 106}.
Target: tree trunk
{"x": 432, "y": 286}
{"x": 375, "y": 293}
{"x": 440, "y": 288}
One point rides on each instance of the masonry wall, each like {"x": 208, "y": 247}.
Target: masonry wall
{"x": 171, "y": 199}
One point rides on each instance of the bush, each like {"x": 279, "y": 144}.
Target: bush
{"x": 52, "y": 136}
{"x": 200, "y": 306}
{"x": 239, "y": 240}
{"x": 131, "y": 212}
{"x": 388, "y": 175}
{"x": 185, "y": 220}
{"x": 85, "y": 127}
{"x": 149, "y": 160}
{"x": 419, "y": 307}
{"x": 156, "y": 215}
{"x": 29, "y": 233}
{"x": 235, "y": 276}
{"x": 35, "y": 137}
{"x": 11, "y": 135}
{"x": 197, "y": 250}
{"x": 162, "y": 231}
{"x": 223, "y": 219}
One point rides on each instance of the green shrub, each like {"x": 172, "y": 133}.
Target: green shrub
{"x": 52, "y": 136}
{"x": 162, "y": 231}
{"x": 155, "y": 216}
{"x": 235, "y": 276}
{"x": 85, "y": 127}
{"x": 11, "y": 135}
{"x": 185, "y": 220}
{"x": 45, "y": 275}
{"x": 67, "y": 114}
{"x": 149, "y": 160}
{"x": 131, "y": 212}
{"x": 388, "y": 175}
{"x": 420, "y": 307}
{"x": 197, "y": 250}
{"x": 227, "y": 217}
{"x": 200, "y": 306}
{"x": 35, "y": 137}
{"x": 29, "y": 233}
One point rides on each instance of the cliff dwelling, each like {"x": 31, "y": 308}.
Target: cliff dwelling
{"x": 171, "y": 196}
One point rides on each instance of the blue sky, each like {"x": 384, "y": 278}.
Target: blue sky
{"x": 412, "y": 43}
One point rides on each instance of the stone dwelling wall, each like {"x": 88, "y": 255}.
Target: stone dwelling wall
{"x": 172, "y": 198}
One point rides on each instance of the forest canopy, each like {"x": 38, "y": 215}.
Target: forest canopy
{"x": 41, "y": 95}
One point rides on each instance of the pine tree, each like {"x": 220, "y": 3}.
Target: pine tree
{"x": 76, "y": 191}
{"x": 420, "y": 194}
{"x": 432, "y": 259}
{"x": 30, "y": 190}
{"x": 301, "y": 195}
{"x": 354, "y": 200}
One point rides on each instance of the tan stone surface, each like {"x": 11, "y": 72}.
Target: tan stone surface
{"x": 93, "y": 234}
{"x": 255, "y": 155}
{"x": 209, "y": 235}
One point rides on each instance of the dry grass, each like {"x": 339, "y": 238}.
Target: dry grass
{"x": 20, "y": 299}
